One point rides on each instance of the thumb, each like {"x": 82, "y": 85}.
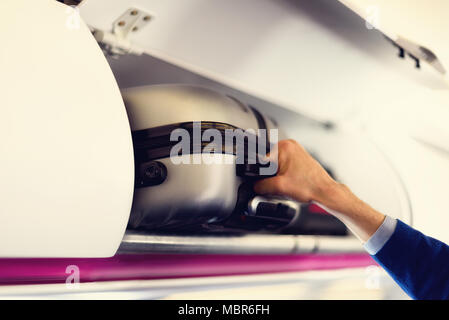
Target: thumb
{"x": 268, "y": 186}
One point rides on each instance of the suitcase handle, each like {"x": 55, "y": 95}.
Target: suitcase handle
{"x": 252, "y": 171}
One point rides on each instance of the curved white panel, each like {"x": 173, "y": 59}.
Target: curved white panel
{"x": 66, "y": 166}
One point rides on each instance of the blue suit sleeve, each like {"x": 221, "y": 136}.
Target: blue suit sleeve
{"x": 418, "y": 263}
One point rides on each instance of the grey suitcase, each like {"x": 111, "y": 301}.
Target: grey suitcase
{"x": 188, "y": 196}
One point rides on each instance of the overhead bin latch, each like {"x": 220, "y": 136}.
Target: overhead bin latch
{"x": 417, "y": 53}
{"x": 119, "y": 41}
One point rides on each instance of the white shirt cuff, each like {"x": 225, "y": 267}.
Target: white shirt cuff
{"x": 381, "y": 236}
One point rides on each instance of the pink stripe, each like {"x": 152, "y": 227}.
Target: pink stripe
{"x": 159, "y": 266}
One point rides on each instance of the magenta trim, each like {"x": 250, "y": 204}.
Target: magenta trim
{"x": 159, "y": 266}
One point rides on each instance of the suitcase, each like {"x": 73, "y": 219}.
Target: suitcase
{"x": 173, "y": 191}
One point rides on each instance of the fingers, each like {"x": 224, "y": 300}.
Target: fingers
{"x": 281, "y": 154}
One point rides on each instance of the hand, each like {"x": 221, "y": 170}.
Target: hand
{"x": 299, "y": 176}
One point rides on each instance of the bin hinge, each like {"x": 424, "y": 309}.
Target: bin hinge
{"x": 119, "y": 42}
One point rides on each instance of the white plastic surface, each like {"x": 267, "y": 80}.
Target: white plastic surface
{"x": 66, "y": 166}
{"x": 314, "y": 57}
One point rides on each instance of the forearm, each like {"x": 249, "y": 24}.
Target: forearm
{"x": 359, "y": 217}
{"x": 418, "y": 263}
